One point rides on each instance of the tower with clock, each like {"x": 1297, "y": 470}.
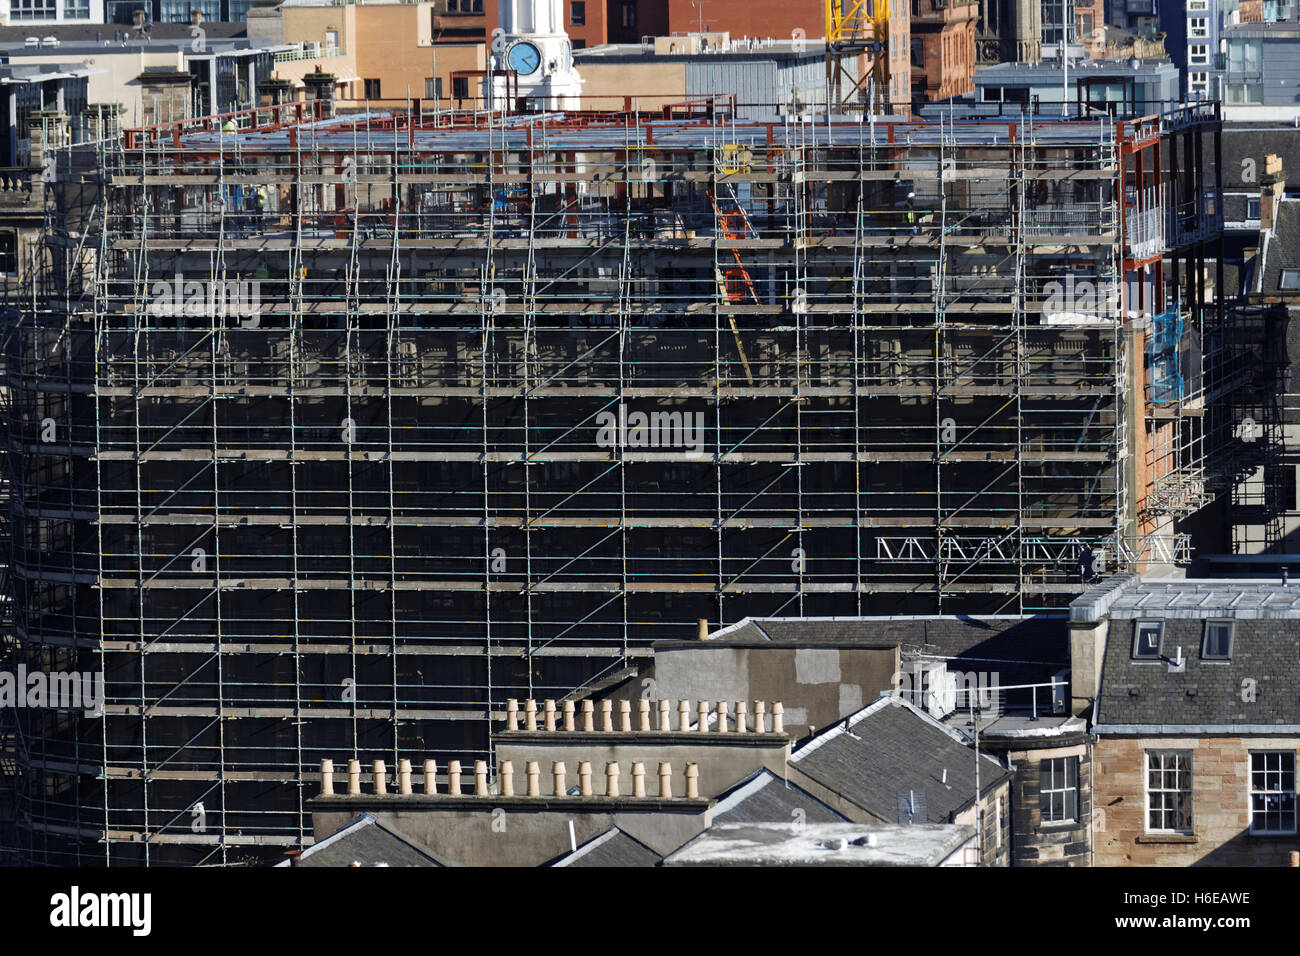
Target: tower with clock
{"x": 531, "y": 43}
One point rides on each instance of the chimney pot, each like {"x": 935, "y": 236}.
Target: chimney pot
{"x": 568, "y": 716}
{"x": 453, "y": 778}
{"x": 702, "y": 709}
{"x": 507, "y": 778}
{"x": 741, "y": 726}
{"x": 607, "y": 716}
{"x": 643, "y": 716}
{"x": 683, "y": 715}
{"x": 722, "y": 716}
{"x": 558, "y": 772}
{"x": 378, "y": 774}
{"x": 550, "y": 715}
{"x": 327, "y": 777}
{"x": 778, "y": 718}
{"x": 588, "y": 723}
{"x": 702, "y": 632}
{"x": 665, "y": 716}
{"x": 480, "y": 778}
{"x": 534, "y": 779}
{"x": 760, "y": 711}
{"x": 430, "y": 777}
{"x": 530, "y": 714}
{"x": 404, "y": 777}
{"x": 512, "y": 714}
{"x": 625, "y": 716}
{"x": 354, "y": 776}
{"x": 611, "y": 780}
{"x": 692, "y": 781}
{"x": 584, "y": 778}
{"x": 666, "y": 781}
{"x": 638, "y": 780}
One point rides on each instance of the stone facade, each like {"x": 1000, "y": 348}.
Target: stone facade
{"x": 1039, "y": 843}
{"x": 1220, "y": 804}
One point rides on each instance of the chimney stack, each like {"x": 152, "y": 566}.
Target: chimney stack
{"x": 1271, "y": 187}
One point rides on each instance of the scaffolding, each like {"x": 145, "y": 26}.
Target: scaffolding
{"x": 332, "y": 434}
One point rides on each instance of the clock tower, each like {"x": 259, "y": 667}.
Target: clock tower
{"x": 531, "y": 42}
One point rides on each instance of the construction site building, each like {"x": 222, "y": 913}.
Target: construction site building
{"x": 327, "y": 435}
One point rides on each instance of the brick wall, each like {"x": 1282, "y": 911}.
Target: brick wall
{"x": 1220, "y": 804}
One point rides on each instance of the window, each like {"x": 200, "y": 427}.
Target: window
{"x": 460, "y": 87}
{"x": 629, "y": 15}
{"x": 1290, "y": 279}
{"x": 371, "y": 89}
{"x": 1169, "y": 791}
{"x": 1198, "y": 27}
{"x": 1216, "y": 645}
{"x": 1272, "y": 791}
{"x": 433, "y": 87}
{"x": 1245, "y": 94}
{"x": 1244, "y": 56}
{"x": 1058, "y": 789}
{"x": 1198, "y": 54}
{"x": 1252, "y": 207}
{"x": 76, "y": 9}
{"x": 579, "y": 44}
{"x": 34, "y": 10}
{"x": 1146, "y": 639}
{"x": 578, "y": 12}
{"x": 918, "y": 53}
{"x": 8, "y": 252}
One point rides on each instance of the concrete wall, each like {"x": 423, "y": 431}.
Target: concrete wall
{"x": 723, "y": 759}
{"x": 514, "y": 831}
{"x": 1220, "y": 805}
{"x": 816, "y": 685}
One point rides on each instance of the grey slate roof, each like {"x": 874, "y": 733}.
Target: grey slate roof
{"x": 611, "y": 848}
{"x": 1265, "y": 666}
{"x": 366, "y": 841}
{"x": 890, "y": 761}
{"x": 762, "y": 797}
{"x": 1280, "y": 248}
{"x": 1022, "y": 649}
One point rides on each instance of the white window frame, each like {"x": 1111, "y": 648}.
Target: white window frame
{"x": 1048, "y": 786}
{"x": 1166, "y": 762}
{"x": 1273, "y": 788}
{"x": 1198, "y": 28}
{"x": 1198, "y": 54}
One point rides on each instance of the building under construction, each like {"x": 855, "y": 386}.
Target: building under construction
{"x": 329, "y": 435}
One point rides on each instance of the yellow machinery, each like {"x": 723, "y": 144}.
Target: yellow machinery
{"x": 854, "y": 28}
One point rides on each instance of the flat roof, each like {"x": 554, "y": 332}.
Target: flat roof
{"x": 822, "y": 844}
{"x": 1129, "y": 596}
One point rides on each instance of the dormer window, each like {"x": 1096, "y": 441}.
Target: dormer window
{"x": 1216, "y": 644}
{"x": 1290, "y": 281}
{"x": 1146, "y": 640}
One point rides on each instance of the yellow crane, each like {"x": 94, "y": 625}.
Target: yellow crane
{"x": 855, "y": 27}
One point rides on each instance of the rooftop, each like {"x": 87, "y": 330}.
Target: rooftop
{"x": 365, "y": 842}
{"x": 1128, "y": 596}
{"x": 822, "y": 844}
{"x": 897, "y": 763}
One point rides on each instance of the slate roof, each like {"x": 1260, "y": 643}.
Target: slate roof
{"x": 763, "y": 797}
{"x": 611, "y": 848}
{"x": 890, "y": 761}
{"x": 1257, "y": 691}
{"x": 1281, "y": 248}
{"x": 366, "y": 841}
{"x": 1022, "y": 649}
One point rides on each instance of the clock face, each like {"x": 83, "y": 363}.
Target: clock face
{"x": 524, "y": 58}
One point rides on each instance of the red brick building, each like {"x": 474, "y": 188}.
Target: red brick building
{"x": 943, "y": 48}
